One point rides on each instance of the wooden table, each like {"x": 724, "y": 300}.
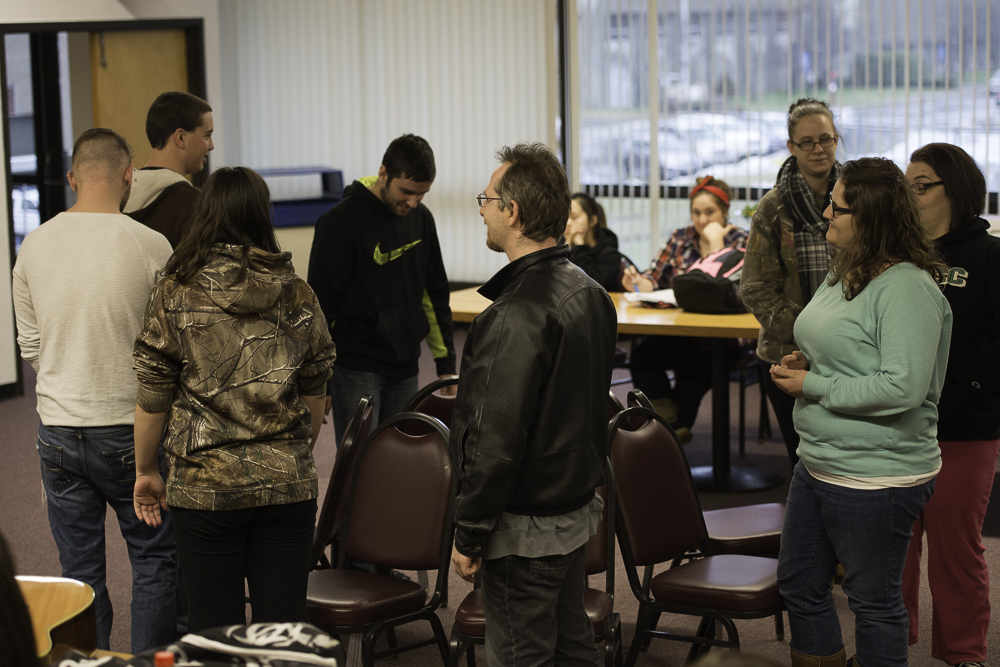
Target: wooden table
{"x": 720, "y": 476}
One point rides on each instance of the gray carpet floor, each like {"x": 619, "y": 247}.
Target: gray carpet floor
{"x": 23, "y": 521}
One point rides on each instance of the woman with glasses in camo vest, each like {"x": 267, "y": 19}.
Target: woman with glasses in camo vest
{"x": 788, "y": 255}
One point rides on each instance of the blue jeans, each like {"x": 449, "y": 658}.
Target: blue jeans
{"x": 389, "y": 395}
{"x": 83, "y": 470}
{"x": 534, "y": 611}
{"x": 866, "y": 531}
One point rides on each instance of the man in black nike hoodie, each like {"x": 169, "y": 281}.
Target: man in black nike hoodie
{"x": 376, "y": 267}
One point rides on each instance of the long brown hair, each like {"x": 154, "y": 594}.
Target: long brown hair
{"x": 887, "y": 226}
{"x": 234, "y": 207}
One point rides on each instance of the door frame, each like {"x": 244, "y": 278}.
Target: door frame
{"x": 48, "y": 114}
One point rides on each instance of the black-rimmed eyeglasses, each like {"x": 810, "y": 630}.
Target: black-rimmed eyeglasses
{"x": 484, "y": 200}
{"x": 838, "y": 209}
{"x": 921, "y": 188}
{"x": 808, "y": 144}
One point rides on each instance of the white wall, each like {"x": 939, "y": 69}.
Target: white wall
{"x": 60, "y": 11}
{"x": 313, "y": 82}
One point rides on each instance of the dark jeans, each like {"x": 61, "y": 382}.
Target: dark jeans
{"x": 389, "y": 395}
{"x": 534, "y": 611}
{"x": 266, "y": 546}
{"x": 84, "y": 470}
{"x": 691, "y": 361}
{"x": 782, "y": 404}
{"x": 867, "y": 531}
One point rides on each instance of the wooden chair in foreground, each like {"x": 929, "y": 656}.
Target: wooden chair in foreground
{"x": 659, "y": 520}
{"x": 62, "y": 615}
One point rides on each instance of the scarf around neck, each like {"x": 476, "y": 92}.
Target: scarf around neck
{"x": 812, "y": 250}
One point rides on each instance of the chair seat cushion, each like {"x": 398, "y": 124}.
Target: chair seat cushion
{"x": 470, "y": 619}
{"x": 352, "y": 597}
{"x": 754, "y": 530}
{"x": 727, "y": 583}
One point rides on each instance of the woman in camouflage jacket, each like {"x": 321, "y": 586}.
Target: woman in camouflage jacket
{"x": 233, "y": 357}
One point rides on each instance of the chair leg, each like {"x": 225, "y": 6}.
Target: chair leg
{"x": 764, "y": 420}
{"x": 442, "y": 639}
{"x": 642, "y": 624}
{"x": 706, "y": 630}
{"x": 779, "y": 626}
{"x": 743, "y": 411}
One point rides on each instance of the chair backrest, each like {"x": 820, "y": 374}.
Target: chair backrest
{"x": 659, "y": 514}
{"x": 637, "y": 398}
{"x": 400, "y": 505}
{"x": 601, "y": 545}
{"x": 427, "y": 401}
{"x": 614, "y": 405}
{"x": 332, "y": 513}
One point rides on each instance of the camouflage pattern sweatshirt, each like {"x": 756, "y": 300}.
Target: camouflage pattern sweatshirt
{"x": 230, "y": 362}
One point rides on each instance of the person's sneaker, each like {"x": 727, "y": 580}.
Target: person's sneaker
{"x": 973, "y": 664}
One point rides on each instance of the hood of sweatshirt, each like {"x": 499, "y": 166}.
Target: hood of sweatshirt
{"x": 964, "y": 231}
{"x": 147, "y": 184}
{"x": 268, "y": 274}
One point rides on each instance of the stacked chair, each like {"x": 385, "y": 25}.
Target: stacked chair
{"x": 470, "y": 622}
{"x": 659, "y": 521}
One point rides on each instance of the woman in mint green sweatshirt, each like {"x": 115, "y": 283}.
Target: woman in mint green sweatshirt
{"x": 874, "y": 348}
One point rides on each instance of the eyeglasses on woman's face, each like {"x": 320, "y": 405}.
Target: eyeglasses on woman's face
{"x": 837, "y": 209}
{"x": 484, "y": 200}
{"x": 808, "y": 145}
{"x": 920, "y": 188}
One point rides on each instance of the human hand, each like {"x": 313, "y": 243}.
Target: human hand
{"x": 464, "y": 566}
{"x": 788, "y": 380}
{"x": 328, "y": 407}
{"x": 148, "y": 496}
{"x": 795, "y": 361}
{"x": 633, "y": 281}
{"x": 448, "y": 389}
{"x": 576, "y": 231}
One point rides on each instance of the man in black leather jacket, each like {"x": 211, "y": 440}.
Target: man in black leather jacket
{"x": 529, "y": 425}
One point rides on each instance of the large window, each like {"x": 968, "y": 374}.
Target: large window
{"x": 703, "y": 88}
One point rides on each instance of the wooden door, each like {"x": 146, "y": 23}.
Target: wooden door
{"x": 128, "y": 70}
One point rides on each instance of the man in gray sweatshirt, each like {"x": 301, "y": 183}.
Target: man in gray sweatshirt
{"x": 81, "y": 283}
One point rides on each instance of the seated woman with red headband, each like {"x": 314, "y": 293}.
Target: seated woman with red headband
{"x": 688, "y": 358}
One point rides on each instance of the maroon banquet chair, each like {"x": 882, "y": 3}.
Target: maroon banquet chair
{"x": 428, "y": 401}
{"x": 399, "y": 515}
{"x": 331, "y": 515}
{"x": 749, "y": 530}
{"x": 659, "y": 520}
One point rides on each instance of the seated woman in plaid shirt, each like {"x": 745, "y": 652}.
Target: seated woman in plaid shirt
{"x": 688, "y": 358}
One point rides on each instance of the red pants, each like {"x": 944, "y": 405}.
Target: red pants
{"x": 956, "y": 569}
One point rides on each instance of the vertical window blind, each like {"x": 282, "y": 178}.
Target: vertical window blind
{"x": 669, "y": 90}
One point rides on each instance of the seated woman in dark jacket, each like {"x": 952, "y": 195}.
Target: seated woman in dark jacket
{"x": 592, "y": 246}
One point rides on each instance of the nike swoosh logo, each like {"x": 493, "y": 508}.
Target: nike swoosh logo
{"x": 383, "y": 258}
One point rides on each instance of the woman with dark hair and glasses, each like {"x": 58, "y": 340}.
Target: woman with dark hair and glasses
{"x": 788, "y": 255}
{"x": 866, "y": 378}
{"x": 233, "y": 356}
{"x": 592, "y": 246}
{"x": 951, "y": 193}
{"x": 688, "y": 358}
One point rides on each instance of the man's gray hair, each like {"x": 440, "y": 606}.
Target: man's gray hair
{"x": 537, "y": 181}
